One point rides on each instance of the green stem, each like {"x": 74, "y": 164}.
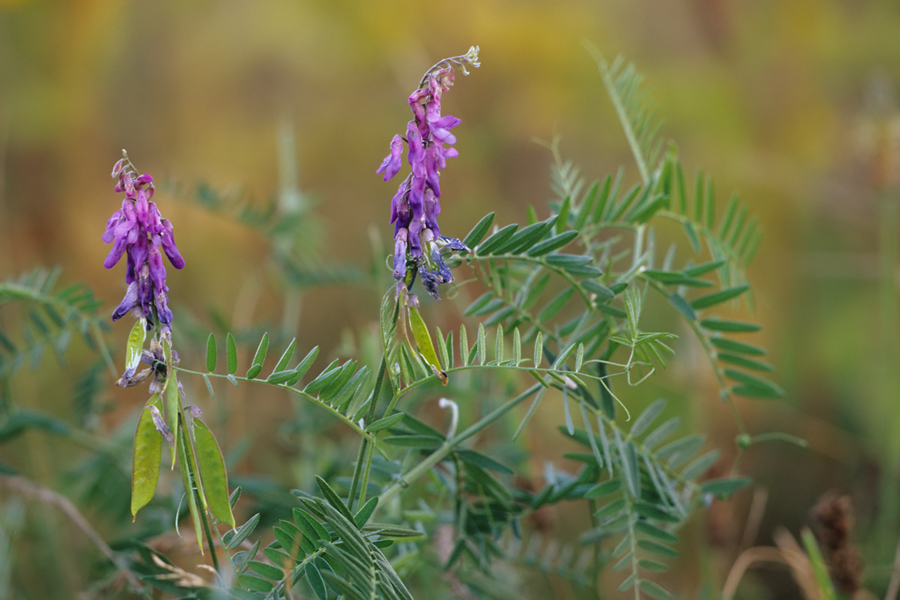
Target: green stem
{"x": 192, "y": 479}
{"x": 364, "y": 458}
{"x": 777, "y": 436}
{"x": 450, "y": 445}
{"x": 357, "y": 471}
{"x": 209, "y": 540}
{"x": 227, "y": 554}
{"x": 638, "y": 247}
{"x": 370, "y": 452}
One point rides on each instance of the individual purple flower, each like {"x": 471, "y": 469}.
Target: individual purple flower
{"x": 415, "y": 207}
{"x": 138, "y": 231}
{"x": 391, "y": 164}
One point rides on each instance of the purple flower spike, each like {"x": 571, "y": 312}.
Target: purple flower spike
{"x": 138, "y": 231}
{"x": 415, "y": 207}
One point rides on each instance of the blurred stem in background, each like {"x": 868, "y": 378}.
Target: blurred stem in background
{"x": 886, "y": 177}
{"x": 290, "y": 201}
{"x": 890, "y": 352}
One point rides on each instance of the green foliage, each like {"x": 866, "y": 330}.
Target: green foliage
{"x": 560, "y": 311}
{"x": 575, "y": 285}
{"x": 287, "y": 221}
{"x": 49, "y": 318}
{"x": 573, "y": 288}
{"x": 636, "y": 111}
{"x": 324, "y": 549}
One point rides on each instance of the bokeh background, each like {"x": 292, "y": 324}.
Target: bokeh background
{"x": 791, "y": 102}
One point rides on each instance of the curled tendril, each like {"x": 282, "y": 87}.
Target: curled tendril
{"x": 469, "y": 58}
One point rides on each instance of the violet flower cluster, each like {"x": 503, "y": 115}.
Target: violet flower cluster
{"x": 416, "y": 206}
{"x": 138, "y": 231}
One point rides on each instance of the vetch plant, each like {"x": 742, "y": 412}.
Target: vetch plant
{"x": 558, "y": 317}
{"x": 139, "y": 231}
{"x": 576, "y": 311}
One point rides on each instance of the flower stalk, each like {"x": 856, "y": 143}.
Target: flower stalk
{"x": 138, "y": 232}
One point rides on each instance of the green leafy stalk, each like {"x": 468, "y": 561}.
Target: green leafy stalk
{"x": 364, "y": 458}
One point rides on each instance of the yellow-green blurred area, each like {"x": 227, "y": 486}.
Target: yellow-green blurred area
{"x": 793, "y": 103}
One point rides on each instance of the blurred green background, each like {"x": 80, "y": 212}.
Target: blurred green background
{"x": 791, "y": 102}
